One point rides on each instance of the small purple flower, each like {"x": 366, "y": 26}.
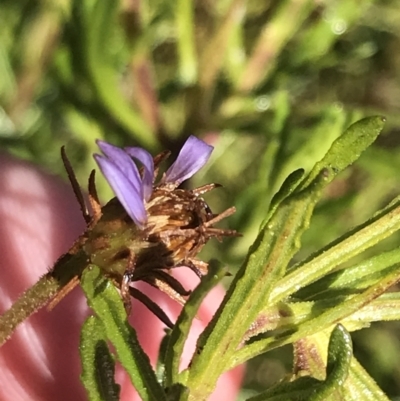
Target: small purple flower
{"x": 133, "y": 191}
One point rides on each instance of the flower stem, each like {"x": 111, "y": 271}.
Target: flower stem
{"x": 28, "y": 303}
{"x": 66, "y": 268}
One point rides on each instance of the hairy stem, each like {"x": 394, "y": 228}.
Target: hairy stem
{"x": 28, "y": 303}
{"x": 33, "y": 299}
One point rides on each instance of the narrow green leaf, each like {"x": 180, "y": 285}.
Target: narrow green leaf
{"x": 98, "y": 365}
{"x": 348, "y": 147}
{"x": 104, "y": 299}
{"x": 271, "y": 41}
{"x": 97, "y": 26}
{"x": 285, "y": 316}
{"x": 186, "y": 41}
{"x": 298, "y": 390}
{"x": 379, "y": 227}
{"x": 340, "y": 353}
{"x": 354, "y": 278}
{"x": 309, "y": 388}
{"x": 214, "y": 52}
{"x": 287, "y": 188}
{"x": 360, "y": 386}
{"x": 313, "y": 146}
{"x": 235, "y": 60}
{"x": 319, "y": 37}
{"x": 100, "y": 23}
{"x": 265, "y": 263}
{"x": 385, "y": 308}
{"x": 160, "y": 367}
{"x": 324, "y": 320}
{"x": 182, "y": 326}
{"x": 344, "y": 151}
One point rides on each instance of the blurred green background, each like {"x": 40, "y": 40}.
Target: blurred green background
{"x": 269, "y": 83}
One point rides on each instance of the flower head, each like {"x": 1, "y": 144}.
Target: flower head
{"x": 132, "y": 190}
{"x": 152, "y": 227}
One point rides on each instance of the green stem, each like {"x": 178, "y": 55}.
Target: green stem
{"x": 28, "y": 303}
{"x": 33, "y": 299}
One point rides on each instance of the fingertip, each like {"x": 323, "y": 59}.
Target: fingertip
{"x": 40, "y": 220}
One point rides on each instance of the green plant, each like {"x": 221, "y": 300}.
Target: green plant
{"x": 273, "y": 86}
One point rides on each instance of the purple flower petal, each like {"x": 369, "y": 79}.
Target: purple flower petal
{"x": 147, "y": 160}
{"x": 124, "y": 189}
{"x": 121, "y": 159}
{"x": 192, "y": 157}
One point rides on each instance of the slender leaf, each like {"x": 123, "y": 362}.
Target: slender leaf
{"x": 98, "y": 366}
{"x": 266, "y": 262}
{"x": 346, "y": 149}
{"x": 311, "y": 389}
{"x": 97, "y": 24}
{"x": 379, "y": 227}
{"x": 360, "y": 386}
{"x": 384, "y": 308}
{"x": 182, "y": 326}
{"x": 324, "y": 320}
{"x": 354, "y": 278}
{"x": 104, "y": 299}
{"x": 186, "y": 41}
{"x": 340, "y": 353}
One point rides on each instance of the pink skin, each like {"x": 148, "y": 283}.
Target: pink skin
{"x": 39, "y": 221}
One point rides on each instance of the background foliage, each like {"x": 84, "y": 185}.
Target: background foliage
{"x": 270, "y": 83}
